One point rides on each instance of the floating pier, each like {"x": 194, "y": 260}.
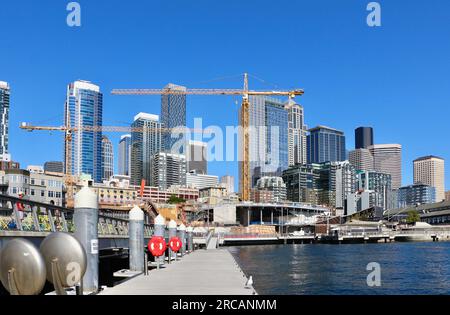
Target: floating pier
{"x": 202, "y": 272}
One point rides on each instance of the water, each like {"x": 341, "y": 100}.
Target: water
{"x": 316, "y": 269}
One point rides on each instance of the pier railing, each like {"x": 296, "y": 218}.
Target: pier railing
{"x": 22, "y": 215}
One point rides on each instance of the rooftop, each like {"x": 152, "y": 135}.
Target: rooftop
{"x": 146, "y": 116}
{"x": 86, "y": 85}
{"x": 428, "y": 157}
{"x": 326, "y": 128}
{"x": 4, "y": 85}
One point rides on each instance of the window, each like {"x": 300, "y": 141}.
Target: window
{"x": 42, "y": 193}
{"x": 32, "y": 192}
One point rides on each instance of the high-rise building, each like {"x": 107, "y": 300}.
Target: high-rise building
{"x": 303, "y": 183}
{"x": 363, "y": 137}
{"x": 227, "y": 181}
{"x": 273, "y": 184}
{"x": 108, "y": 158}
{"x": 196, "y": 157}
{"x": 125, "y": 155}
{"x": 325, "y": 144}
{"x": 430, "y": 170}
{"x": 201, "y": 181}
{"x": 268, "y": 147}
{"x": 168, "y": 169}
{"x": 387, "y": 158}
{"x": 173, "y": 113}
{"x": 54, "y": 167}
{"x": 84, "y": 108}
{"x": 296, "y": 134}
{"x": 361, "y": 159}
{"x": 417, "y": 194}
{"x": 360, "y": 200}
{"x": 380, "y": 183}
{"x": 4, "y": 120}
{"x": 143, "y": 146}
{"x": 342, "y": 182}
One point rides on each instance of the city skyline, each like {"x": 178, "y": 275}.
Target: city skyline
{"x": 342, "y": 111}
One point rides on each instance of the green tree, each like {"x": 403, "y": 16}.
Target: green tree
{"x": 175, "y": 200}
{"x": 413, "y": 217}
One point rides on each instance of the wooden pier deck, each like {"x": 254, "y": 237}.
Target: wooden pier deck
{"x": 203, "y": 272}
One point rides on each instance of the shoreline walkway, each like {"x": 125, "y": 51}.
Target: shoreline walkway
{"x": 202, "y": 272}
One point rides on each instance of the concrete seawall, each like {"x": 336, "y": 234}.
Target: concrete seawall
{"x": 203, "y": 272}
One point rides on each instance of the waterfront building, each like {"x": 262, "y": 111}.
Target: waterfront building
{"x": 388, "y": 159}
{"x": 84, "y": 108}
{"x": 262, "y": 196}
{"x": 297, "y": 131}
{"x": 7, "y": 165}
{"x": 144, "y": 144}
{"x": 107, "y": 158}
{"x": 54, "y": 167}
{"x": 342, "y": 181}
{"x": 4, "y": 120}
{"x": 213, "y": 195}
{"x": 173, "y": 113}
{"x": 429, "y": 170}
{"x": 363, "y": 137}
{"x": 268, "y": 127}
{"x": 273, "y": 184}
{"x": 158, "y": 195}
{"x": 325, "y": 144}
{"x": 379, "y": 183}
{"x": 361, "y": 159}
{"x": 227, "y": 181}
{"x": 321, "y": 184}
{"x": 35, "y": 186}
{"x": 416, "y": 194}
{"x": 116, "y": 191}
{"x": 125, "y": 155}
{"x": 168, "y": 169}
{"x": 360, "y": 200}
{"x": 303, "y": 183}
{"x": 201, "y": 181}
{"x": 196, "y": 157}
{"x": 37, "y": 169}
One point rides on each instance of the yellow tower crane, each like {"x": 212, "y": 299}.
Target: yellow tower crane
{"x": 244, "y": 180}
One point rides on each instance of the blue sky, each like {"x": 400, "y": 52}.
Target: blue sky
{"x": 394, "y": 78}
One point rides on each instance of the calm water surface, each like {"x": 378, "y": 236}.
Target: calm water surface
{"x": 406, "y": 268}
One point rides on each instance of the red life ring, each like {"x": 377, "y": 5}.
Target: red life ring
{"x": 19, "y": 205}
{"x": 157, "y": 246}
{"x": 175, "y": 244}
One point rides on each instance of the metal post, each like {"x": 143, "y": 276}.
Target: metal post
{"x": 86, "y": 231}
{"x": 190, "y": 242}
{"x": 136, "y": 239}
{"x": 182, "y": 236}
{"x": 160, "y": 227}
{"x": 172, "y": 233}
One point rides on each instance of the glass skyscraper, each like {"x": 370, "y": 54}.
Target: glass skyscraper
{"x": 268, "y": 145}
{"x": 325, "y": 144}
{"x": 363, "y": 137}
{"x": 144, "y": 145}
{"x": 4, "y": 120}
{"x": 108, "y": 158}
{"x": 125, "y": 155}
{"x": 84, "y": 108}
{"x": 173, "y": 113}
